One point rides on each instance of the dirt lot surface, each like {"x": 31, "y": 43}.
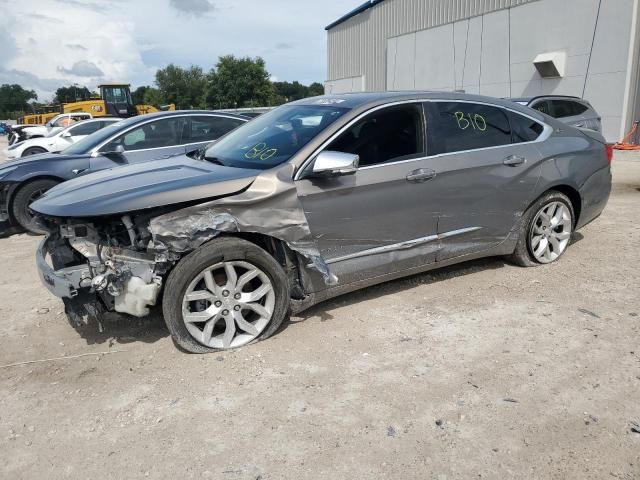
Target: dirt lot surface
{"x": 483, "y": 370}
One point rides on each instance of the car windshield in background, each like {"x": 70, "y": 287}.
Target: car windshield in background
{"x": 273, "y": 138}
{"x": 87, "y": 143}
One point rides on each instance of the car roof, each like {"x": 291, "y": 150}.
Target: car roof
{"x": 151, "y": 116}
{"x": 538, "y": 97}
{"x": 371, "y": 99}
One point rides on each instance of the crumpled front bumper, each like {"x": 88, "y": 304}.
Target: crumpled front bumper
{"x": 65, "y": 282}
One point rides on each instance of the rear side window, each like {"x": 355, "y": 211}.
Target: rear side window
{"x": 524, "y": 129}
{"x": 543, "y": 106}
{"x": 459, "y": 126}
{"x": 208, "y": 128}
{"x": 85, "y": 128}
{"x": 567, "y": 108}
{"x": 386, "y": 135}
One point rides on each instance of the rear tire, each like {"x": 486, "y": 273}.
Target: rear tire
{"x": 33, "y": 151}
{"x": 541, "y": 241}
{"x": 229, "y": 317}
{"x": 25, "y": 196}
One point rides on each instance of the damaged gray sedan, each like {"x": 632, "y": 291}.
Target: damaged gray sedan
{"x": 314, "y": 199}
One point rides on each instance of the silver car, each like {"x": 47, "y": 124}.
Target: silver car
{"x": 570, "y": 110}
{"x": 314, "y": 199}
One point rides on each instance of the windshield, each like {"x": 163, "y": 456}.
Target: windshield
{"x": 90, "y": 141}
{"x": 272, "y": 138}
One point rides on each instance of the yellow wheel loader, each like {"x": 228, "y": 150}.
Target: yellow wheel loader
{"x": 115, "y": 101}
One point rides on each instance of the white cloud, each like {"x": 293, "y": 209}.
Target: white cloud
{"x": 51, "y": 43}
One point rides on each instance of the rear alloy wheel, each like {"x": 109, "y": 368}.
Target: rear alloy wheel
{"x": 550, "y": 232}
{"x": 28, "y": 194}
{"x": 226, "y": 294}
{"x": 33, "y": 151}
{"x": 545, "y": 230}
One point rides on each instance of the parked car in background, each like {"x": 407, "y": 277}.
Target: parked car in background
{"x": 137, "y": 139}
{"x": 57, "y": 141}
{"x": 57, "y": 123}
{"x": 314, "y": 199}
{"x": 4, "y": 128}
{"x": 573, "y": 111}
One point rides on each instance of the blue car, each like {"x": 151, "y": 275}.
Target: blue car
{"x": 137, "y": 139}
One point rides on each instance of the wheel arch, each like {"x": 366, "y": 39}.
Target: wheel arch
{"x": 574, "y": 197}
{"x": 282, "y": 253}
{"x": 24, "y": 183}
{"x": 31, "y": 147}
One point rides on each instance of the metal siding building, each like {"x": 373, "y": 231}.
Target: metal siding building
{"x": 489, "y": 46}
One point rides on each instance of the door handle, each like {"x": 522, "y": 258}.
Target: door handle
{"x": 420, "y": 175}
{"x": 78, "y": 171}
{"x": 514, "y": 160}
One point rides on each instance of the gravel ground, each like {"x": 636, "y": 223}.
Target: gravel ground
{"x": 482, "y": 370}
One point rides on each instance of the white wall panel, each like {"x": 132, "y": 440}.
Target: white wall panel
{"x": 433, "y": 64}
{"x": 495, "y": 53}
{"x": 488, "y": 47}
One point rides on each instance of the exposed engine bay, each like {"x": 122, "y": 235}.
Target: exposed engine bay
{"x": 114, "y": 260}
{"x": 113, "y": 264}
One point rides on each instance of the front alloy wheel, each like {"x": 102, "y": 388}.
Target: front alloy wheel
{"x": 227, "y": 293}
{"x": 228, "y": 304}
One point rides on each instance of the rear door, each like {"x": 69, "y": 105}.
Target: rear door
{"x": 375, "y": 221}
{"x": 486, "y": 166}
{"x": 204, "y": 129}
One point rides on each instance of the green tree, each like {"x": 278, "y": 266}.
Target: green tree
{"x": 153, "y": 96}
{"x": 239, "y": 82}
{"x": 315, "y": 89}
{"x": 14, "y": 100}
{"x": 71, "y": 94}
{"x": 137, "y": 96}
{"x": 183, "y": 86}
{"x": 290, "y": 91}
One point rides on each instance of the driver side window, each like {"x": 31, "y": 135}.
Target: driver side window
{"x": 387, "y": 135}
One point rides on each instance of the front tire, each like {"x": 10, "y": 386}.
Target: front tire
{"x": 25, "y": 196}
{"x": 33, "y": 151}
{"x": 226, "y": 294}
{"x": 545, "y": 230}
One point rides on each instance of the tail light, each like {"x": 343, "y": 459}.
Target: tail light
{"x": 608, "y": 148}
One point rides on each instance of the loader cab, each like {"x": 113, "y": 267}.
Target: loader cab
{"x": 117, "y": 99}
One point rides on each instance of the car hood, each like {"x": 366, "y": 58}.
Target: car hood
{"x": 143, "y": 185}
{"x": 41, "y": 157}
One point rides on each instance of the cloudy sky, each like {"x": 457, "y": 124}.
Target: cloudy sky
{"x": 45, "y": 44}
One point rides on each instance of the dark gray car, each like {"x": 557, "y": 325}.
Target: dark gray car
{"x": 137, "y": 139}
{"x": 317, "y": 198}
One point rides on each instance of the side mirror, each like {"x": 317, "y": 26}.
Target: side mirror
{"x": 331, "y": 164}
{"x": 116, "y": 154}
{"x": 66, "y": 135}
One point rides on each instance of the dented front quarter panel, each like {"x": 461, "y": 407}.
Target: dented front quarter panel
{"x": 269, "y": 206}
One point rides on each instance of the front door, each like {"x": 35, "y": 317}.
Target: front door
{"x": 150, "y": 141}
{"x": 375, "y": 221}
